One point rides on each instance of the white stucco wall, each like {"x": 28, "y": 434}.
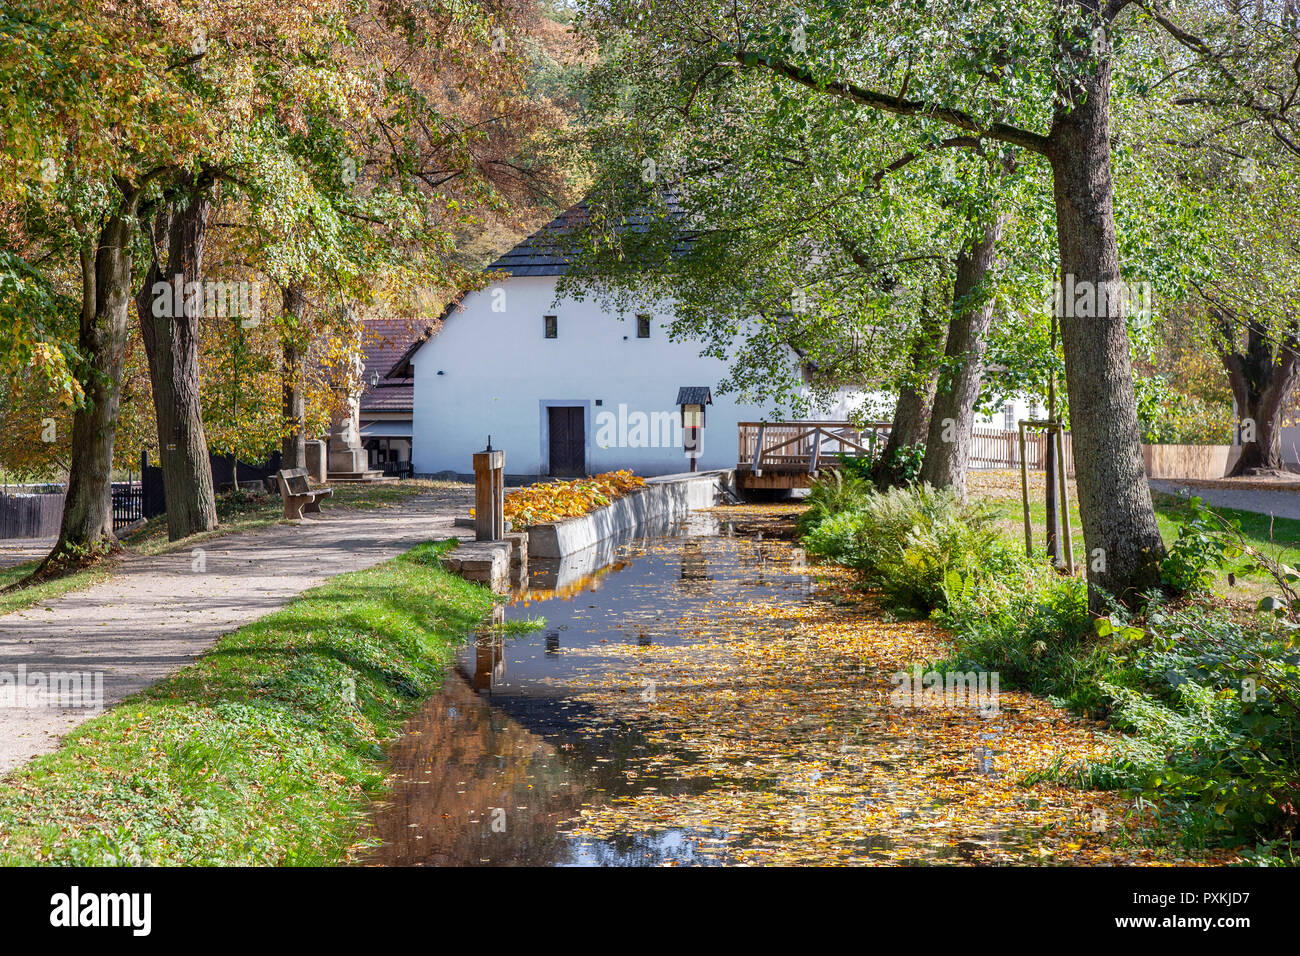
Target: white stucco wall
{"x": 1291, "y": 446}
{"x": 1022, "y": 408}
{"x": 499, "y": 375}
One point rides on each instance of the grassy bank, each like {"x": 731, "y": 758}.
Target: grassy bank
{"x": 1205, "y": 690}
{"x": 15, "y": 599}
{"x": 267, "y": 749}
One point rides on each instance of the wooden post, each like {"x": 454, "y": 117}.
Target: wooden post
{"x": 1064, "y": 496}
{"x": 1024, "y": 494}
{"x": 816, "y": 451}
{"x": 758, "y": 450}
{"x": 489, "y": 494}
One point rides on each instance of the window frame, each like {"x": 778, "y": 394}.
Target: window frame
{"x": 550, "y": 326}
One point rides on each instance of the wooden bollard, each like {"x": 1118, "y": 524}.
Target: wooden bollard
{"x": 489, "y": 494}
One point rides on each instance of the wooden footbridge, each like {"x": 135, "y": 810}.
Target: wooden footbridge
{"x": 782, "y": 455}
{"x": 776, "y": 455}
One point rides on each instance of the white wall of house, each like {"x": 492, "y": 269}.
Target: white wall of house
{"x": 1011, "y": 412}
{"x": 1291, "y": 445}
{"x": 492, "y": 371}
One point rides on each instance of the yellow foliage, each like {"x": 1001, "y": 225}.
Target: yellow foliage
{"x": 556, "y": 500}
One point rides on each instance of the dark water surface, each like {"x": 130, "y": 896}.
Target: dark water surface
{"x": 492, "y": 766}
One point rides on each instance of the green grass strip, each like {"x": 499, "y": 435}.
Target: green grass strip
{"x": 268, "y": 749}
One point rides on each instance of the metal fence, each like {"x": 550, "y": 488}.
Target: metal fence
{"x": 128, "y": 503}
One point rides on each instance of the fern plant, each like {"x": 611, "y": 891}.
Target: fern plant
{"x": 834, "y": 493}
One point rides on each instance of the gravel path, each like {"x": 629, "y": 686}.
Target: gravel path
{"x": 1280, "y": 504}
{"x": 156, "y": 614}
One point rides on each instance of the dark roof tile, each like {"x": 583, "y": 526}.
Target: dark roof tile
{"x": 694, "y": 395}
{"x": 545, "y": 253}
{"x": 383, "y": 341}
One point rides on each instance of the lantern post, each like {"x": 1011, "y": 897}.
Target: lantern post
{"x": 692, "y": 400}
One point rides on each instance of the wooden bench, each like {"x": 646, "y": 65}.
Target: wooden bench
{"x": 297, "y": 494}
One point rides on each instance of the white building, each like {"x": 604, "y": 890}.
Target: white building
{"x": 1011, "y": 412}
{"x": 564, "y": 388}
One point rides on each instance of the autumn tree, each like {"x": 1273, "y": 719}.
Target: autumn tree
{"x": 89, "y": 134}
{"x": 132, "y": 122}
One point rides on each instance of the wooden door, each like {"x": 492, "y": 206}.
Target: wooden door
{"x": 568, "y": 441}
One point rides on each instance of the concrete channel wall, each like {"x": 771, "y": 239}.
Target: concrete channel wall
{"x": 668, "y": 497}
{"x": 579, "y": 546}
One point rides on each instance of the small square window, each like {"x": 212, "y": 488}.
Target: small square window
{"x": 643, "y": 326}
{"x": 551, "y": 326}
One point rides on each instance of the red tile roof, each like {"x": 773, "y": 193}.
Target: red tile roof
{"x": 384, "y": 342}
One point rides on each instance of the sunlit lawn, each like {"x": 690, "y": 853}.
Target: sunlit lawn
{"x": 1002, "y": 488}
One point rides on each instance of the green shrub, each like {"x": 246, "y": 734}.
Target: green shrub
{"x": 864, "y": 537}
{"x": 834, "y": 493}
{"x": 1212, "y": 718}
{"x": 1205, "y": 546}
{"x": 835, "y": 538}
{"x": 1033, "y": 627}
{"x": 958, "y": 544}
{"x": 1208, "y": 705}
{"x": 1208, "y": 701}
{"x": 861, "y": 466}
{"x": 906, "y": 541}
{"x": 903, "y": 465}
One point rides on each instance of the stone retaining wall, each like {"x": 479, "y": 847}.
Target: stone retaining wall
{"x": 669, "y": 497}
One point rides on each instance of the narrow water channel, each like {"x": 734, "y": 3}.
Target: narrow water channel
{"x": 495, "y": 766}
{"x": 701, "y": 698}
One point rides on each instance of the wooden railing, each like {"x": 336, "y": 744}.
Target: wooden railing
{"x": 805, "y": 446}
{"x": 808, "y": 446}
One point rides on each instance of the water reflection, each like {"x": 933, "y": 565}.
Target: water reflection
{"x": 541, "y": 734}
{"x": 492, "y": 765}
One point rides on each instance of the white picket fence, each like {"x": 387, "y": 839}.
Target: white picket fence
{"x": 996, "y": 448}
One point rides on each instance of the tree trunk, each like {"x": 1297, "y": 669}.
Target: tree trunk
{"x": 1124, "y": 549}
{"x": 947, "y": 446}
{"x": 170, "y": 306}
{"x": 911, "y": 420}
{"x": 87, "y": 521}
{"x": 293, "y": 448}
{"x": 1262, "y": 379}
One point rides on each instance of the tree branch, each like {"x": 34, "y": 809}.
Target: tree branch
{"x": 899, "y": 106}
